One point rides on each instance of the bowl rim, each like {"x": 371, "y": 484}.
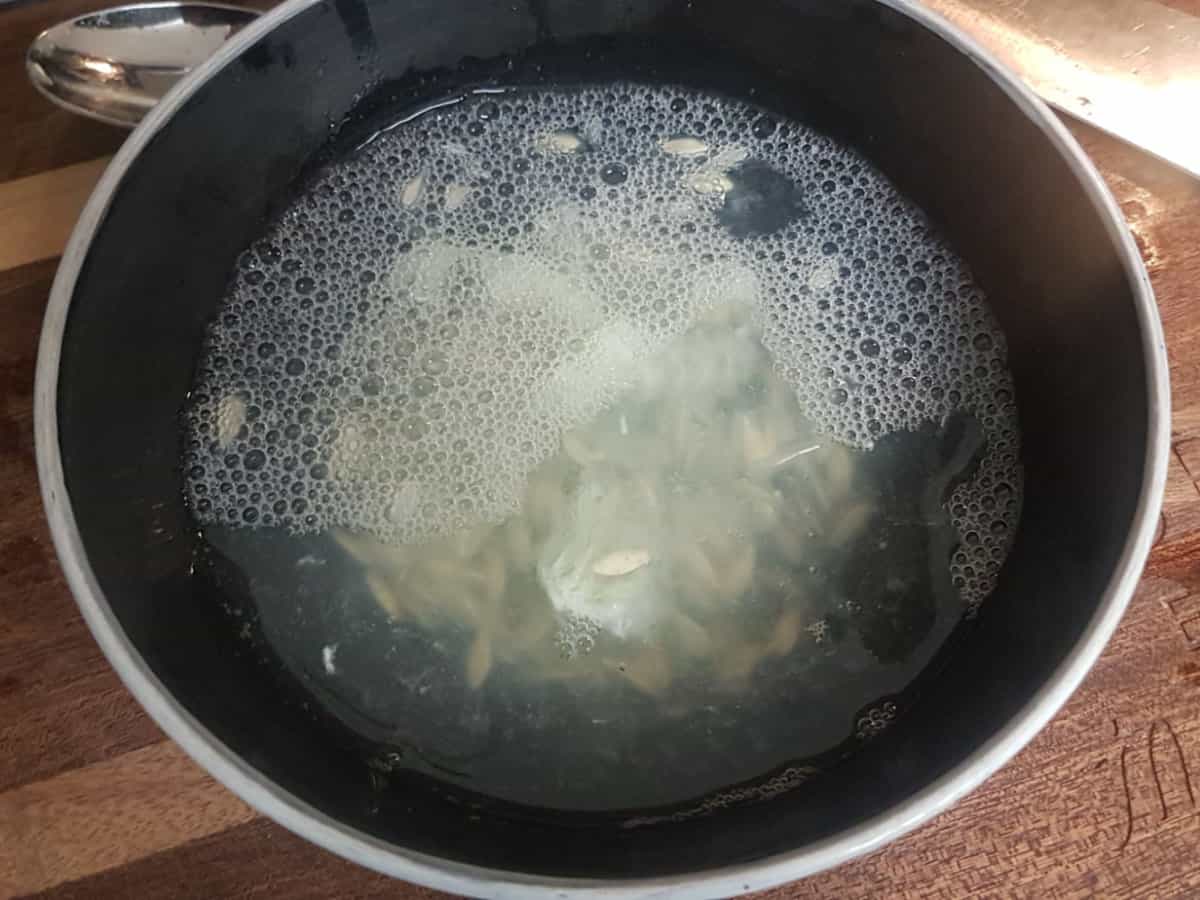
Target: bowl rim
{"x": 480, "y": 881}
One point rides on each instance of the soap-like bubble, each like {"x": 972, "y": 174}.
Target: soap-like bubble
{"x": 464, "y": 289}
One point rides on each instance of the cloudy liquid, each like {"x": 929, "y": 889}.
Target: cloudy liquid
{"x": 603, "y": 448}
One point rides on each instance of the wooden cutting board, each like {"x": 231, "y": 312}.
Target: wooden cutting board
{"x": 96, "y": 803}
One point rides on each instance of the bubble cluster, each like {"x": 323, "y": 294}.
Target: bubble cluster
{"x": 782, "y": 783}
{"x": 412, "y": 336}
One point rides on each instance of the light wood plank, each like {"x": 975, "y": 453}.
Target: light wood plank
{"x": 37, "y": 213}
{"x": 108, "y": 815}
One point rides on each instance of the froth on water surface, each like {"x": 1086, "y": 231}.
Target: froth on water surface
{"x": 605, "y": 447}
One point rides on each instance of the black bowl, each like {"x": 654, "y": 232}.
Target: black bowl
{"x": 148, "y": 265}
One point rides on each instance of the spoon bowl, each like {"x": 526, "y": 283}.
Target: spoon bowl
{"x": 114, "y": 65}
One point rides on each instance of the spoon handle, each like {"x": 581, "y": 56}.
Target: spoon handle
{"x": 114, "y": 65}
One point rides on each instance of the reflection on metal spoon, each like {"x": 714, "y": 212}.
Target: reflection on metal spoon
{"x": 114, "y": 65}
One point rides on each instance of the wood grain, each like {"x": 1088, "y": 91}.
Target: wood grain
{"x": 40, "y": 211}
{"x": 216, "y": 867}
{"x": 108, "y": 815}
{"x": 94, "y": 803}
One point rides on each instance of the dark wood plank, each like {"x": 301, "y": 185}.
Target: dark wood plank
{"x": 216, "y": 867}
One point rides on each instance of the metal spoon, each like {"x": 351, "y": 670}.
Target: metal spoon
{"x": 114, "y": 65}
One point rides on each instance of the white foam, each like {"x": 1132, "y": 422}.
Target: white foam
{"x": 416, "y": 331}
